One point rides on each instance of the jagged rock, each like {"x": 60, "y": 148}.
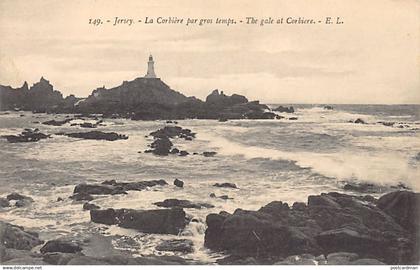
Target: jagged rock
{"x": 209, "y": 154}
{"x": 28, "y": 135}
{"x": 161, "y": 221}
{"x": 328, "y": 107}
{"x": 169, "y": 203}
{"x": 284, "y": 109}
{"x": 161, "y": 146}
{"x": 330, "y": 223}
{"x": 178, "y": 183}
{"x": 90, "y": 206}
{"x": 57, "y": 122}
{"x": 60, "y": 245}
{"x": 176, "y": 245}
{"x": 15, "y": 237}
{"x": 98, "y": 135}
{"x": 225, "y": 185}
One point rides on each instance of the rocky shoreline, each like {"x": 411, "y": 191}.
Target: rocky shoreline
{"x": 331, "y": 228}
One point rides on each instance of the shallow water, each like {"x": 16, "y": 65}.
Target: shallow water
{"x": 268, "y": 159}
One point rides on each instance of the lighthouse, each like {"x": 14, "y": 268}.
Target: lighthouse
{"x": 150, "y": 68}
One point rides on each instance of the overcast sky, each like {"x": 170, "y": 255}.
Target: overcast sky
{"x": 372, "y": 58}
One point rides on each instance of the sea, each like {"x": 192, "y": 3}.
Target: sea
{"x": 269, "y": 160}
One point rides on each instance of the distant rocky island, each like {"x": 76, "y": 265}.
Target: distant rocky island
{"x": 144, "y": 98}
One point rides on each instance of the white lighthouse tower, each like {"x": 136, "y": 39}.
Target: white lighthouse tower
{"x": 150, "y": 68}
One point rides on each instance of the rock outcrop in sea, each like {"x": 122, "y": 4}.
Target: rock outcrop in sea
{"x": 139, "y": 99}
{"x": 40, "y": 97}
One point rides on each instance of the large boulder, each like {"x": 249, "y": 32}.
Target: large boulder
{"x": 16, "y": 237}
{"x": 404, "y": 207}
{"x": 330, "y": 223}
{"x": 161, "y": 221}
{"x": 61, "y": 245}
{"x": 266, "y": 232}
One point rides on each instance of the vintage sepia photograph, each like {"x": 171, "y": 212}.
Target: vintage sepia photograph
{"x": 215, "y": 133}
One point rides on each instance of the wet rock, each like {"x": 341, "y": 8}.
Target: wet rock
{"x": 176, "y": 245}
{"x": 88, "y": 125}
{"x": 174, "y": 151}
{"x": 363, "y": 187}
{"x": 359, "y": 121}
{"x": 28, "y": 135}
{"x": 98, "y": 189}
{"x": 17, "y": 196}
{"x": 183, "y": 153}
{"x": 90, "y": 206}
{"x": 172, "y": 132}
{"x": 284, "y": 109}
{"x": 332, "y": 222}
{"x": 81, "y": 197}
{"x": 15, "y": 237}
{"x": 57, "y": 122}
{"x": 161, "y": 221}
{"x": 209, "y": 154}
{"x": 122, "y": 187}
{"x": 178, "y": 183}
{"x": 4, "y": 202}
{"x": 161, "y": 146}
{"x": 225, "y": 185}
{"x": 61, "y": 245}
{"x": 260, "y": 115}
{"x": 106, "y": 216}
{"x": 98, "y": 135}
{"x": 403, "y": 207}
{"x": 168, "y": 203}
